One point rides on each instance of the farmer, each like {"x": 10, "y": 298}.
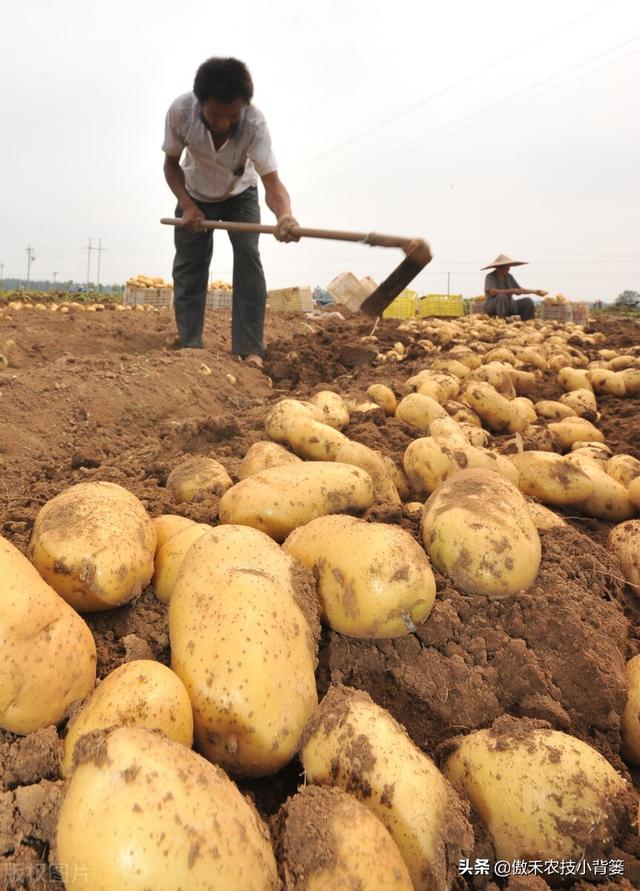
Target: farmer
{"x": 225, "y": 141}
{"x": 500, "y": 288}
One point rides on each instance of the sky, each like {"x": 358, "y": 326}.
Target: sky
{"x": 484, "y": 128}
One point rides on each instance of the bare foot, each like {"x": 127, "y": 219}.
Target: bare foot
{"x": 255, "y": 360}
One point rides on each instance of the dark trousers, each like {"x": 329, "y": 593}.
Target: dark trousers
{"x": 191, "y": 275}
{"x": 506, "y": 305}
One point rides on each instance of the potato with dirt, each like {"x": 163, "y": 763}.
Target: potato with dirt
{"x": 551, "y": 478}
{"x": 623, "y": 468}
{"x": 373, "y": 463}
{"x": 384, "y": 397}
{"x": 167, "y": 525}
{"x": 540, "y": 793}
{"x": 608, "y": 500}
{"x": 624, "y": 542}
{"x": 326, "y": 840}
{"x": 140, "y": 693}
{"x": 47, "y": 652}
{"x": 170, "y": 556}
{"x": 355, "y": 745}
{"x": 264, "y": 454}
{"x": 631, "y": 714}
{"x": 279, "y": 499}
{"x": 94, "y": 544}
{"x": 477, "y": 530}
{"x": 374, "y": 580}
{"x": 196, "y": 476}
{"x": 332, "y": 407}
{"x": 418, "y": 411}
{"x": 142, "y": 811}
{"x": 243, "y": 638}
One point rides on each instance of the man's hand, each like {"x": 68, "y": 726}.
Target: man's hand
{"x": 542, "y": 293}
{"x": 192, "y": 218}
{"x": 283, "y": 231}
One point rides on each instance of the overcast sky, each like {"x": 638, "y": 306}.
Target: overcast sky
{"x": 484, "y": 128}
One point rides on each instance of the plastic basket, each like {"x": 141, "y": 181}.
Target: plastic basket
{"x": 348, "y": 290}
{"x": 476, "y": 307}
{"x": 218, "y": 299}
{"x": 368, "y": 283}
{"x": 580, "y": 313}
{"x": 147, "y": 296}
{"x": 556, "y": 312}
{"x": 290, "y": 300}
{"x": 403, "y": 307}
{"x": 441, "y": 305}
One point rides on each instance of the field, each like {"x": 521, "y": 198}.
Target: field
{"x": 100, "y": 395}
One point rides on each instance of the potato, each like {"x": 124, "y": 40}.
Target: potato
{"x": 333, "y": 408}
{"x": 47, "y": 652}
{"x": 500, "y": 414}
{"x": 631, "y": 380}
{"x": 198, "y": 476}
{"x": 94, "y": 544}
{"x": 353, "y": 744}
{"x": 462, "y": 414}
{"x": 279, "y": 417}
{"x": 634, "y": 493}
{"x": 525, "y": 409}
{"x": 312, "y": 439}
{"x": 551, "y": 478}
{"x": 398, "y": 477}
{"x": 279, "y": 499}
{"x": 544, "y": 518}
{"x": 597, "y": 451}
{"x": 167, "y": 525}
{"x": 608, "y": 500}
{"x": 440, "y": 385}
{"x": 244, "y": 643}
{"x": 624, "y": 543}
{"x": 326, "y": 840}
{"x": 170, "y": 556}
{"x": 523, "y": 381}
{"x": 533, "y": 357}
{"x": 145, "y": 812}
{"x": 541, "y": 794}
{"x": 572, "y": 430}
{"x": 623, "y": 468}
{"x": 477, "y": 529}
{"x": 501, "y": 354}
{"x": 498, "y": 375}
{"x": 141, "y": 693}
{"x": 413, "y": 510}
{"x": 476, "y": 436}
{"x": 374, "y": 580}
{"x": 453, "y": 440}
{"x": 604, "y": 381}
{"x": 554, "y": 411}
{"x": 465, "y": 356}
{"x": 583, "y": 402}
{"x": 631, "y": 714}
{"x": 264, "y": 454}
{"x": 622, "y": 363}
{"x": 419, "y": 411}
{"x": 373, "y": 463}
{"x": 574, "y": 379}
{"x": 384, "y": 397}
{"x": 458, "y": 369}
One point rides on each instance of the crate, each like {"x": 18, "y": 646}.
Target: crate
{"x": 219, "y": 299}
{"x": 147, "y": 296}
{"x": 368, "y": 283}
{"x": 403, "y": 307}
{"x": 348, "y": 290}
{"x": 441, "y": 305}
{"x": 556, "y": 312}
{"x": 580, "y": 313}
{"x": 290, "y": 300}
{"x": 476, "y": 307}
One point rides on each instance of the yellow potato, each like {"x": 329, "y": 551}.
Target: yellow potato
{"x": 624, "y": 543}
{"x": 533, "y": 357}
{"x": 523, "y": 381}
{"x": 373, "y": 463}
{"x": 604, "y": 381}
{"x": 312, "y": 439}
{"x": 499, "y": 413}
{"x": 543, "y": 517}
{"x": 198, "y": 476}
{"x": 551, "y": 478}
{"x": 554, "y": 411}
{"x": 597, "y": 451}
{"x": 623, "y": 468}
{"x": 144, "y": 812}
{"x": 540, "y": 794}
{"x": 384, "y": 397}
{"x": 278, "y": 418}
{"x": 279, "y": 499}
{"x": 47, "y": 652}
{"x": 243, "y": 641}
{"x": 141, "y": 693}
{"x": 583, "y": 403}
{"x": 622, "y": 363}
{"x": 631, "y": 714}
{"x": 634, "y": 493}
{"x": 609, "y": 500}
{"x": 462, "y": 414}
{"x": 631, "y": 379}
{"x": 94, "y": 544}
{"x": 427, "y": 465}
{"x": 477, "y": 529}
{"x": 327, "y": 840}
{"x": 465, "y": 356}
{"x": 501, "y": 354}
{"x": 357, "y": 746}
{"x": 419, "y": 411}
{"x": 333, "y": 408}
{"x": 374, "y": 580}
{"x": 265, "y": 454}
{"x": 169, "y": 559}
{"x": 574, "y": 379}
{"x": 440, "y": 385}
{"x": 167, "y": 525}
{"x": 458, "y": 369}
{"x": 498, "y": 375}
{"x": 398, "y": 477}
{"x": 476, "y": 436}
{"x": 572, "y": 430}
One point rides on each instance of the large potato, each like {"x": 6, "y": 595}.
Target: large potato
{"x": 476, "y": 528}
{"x": 327, "y": 840}
{"x": 372, "y": 462}
{"x": 170, "y": 556}
{"x": 374, "y": 580}
{"x": 384, "y": 397}
{"x": 624, "y": 542}
{"x": 634, "y": 492}
{"x": 353, "y": 744}
{"x": 332, "y": 406}
{"x": 631, "y": 714}
{"x": 551, "y": 478}
{"x": 264, "y": 454}
{"x": 243, "y": 641}
{"x": 623, "y": 468}
{"x": 609, "y": 500}
{"x": 500, "y": 414}
{"x": 605, "y": 381}
{"x": 313, "y": 440}
{"x": 167, "y": 525}
{"x": 419, "y": 411}
{"x": 279, "y": 417}
{"x": 574, "y": 379}
{"x": 196, "y": 476}
{"x": 280, "y": 499}
{"x": 94, "y": 544}
{"x": 541, "y": 794}
{"x": 631, "y": 379}
{"x": 554, "y": 411}
{"x": 572, "y": 430}
{"x": 583, "y": 403}
{"x": 543, "y": 517}
{"x": 47, "y": 652}
{"x": 141, "y": 693}
{"x": 145, "y": 812}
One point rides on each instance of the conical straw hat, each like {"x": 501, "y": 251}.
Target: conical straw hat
{"x": 503, "y": 260}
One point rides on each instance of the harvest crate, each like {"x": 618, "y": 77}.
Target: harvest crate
{"x": 441, "y": 305}
{"x": 147, "y": 296}
{"x": 348, "y": 290}
{"x": 556, "y": 312}
{"x": 403, "y": 307}
{"x": 219, "y": 299}
{"x": 580, "y": 313}
{"x": 476, "y": 307}
{"x": 290, "y": 300}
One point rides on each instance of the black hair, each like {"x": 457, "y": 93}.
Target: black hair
{"x": 224, "y": 80}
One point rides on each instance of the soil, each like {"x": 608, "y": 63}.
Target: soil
{"x": 101, "y": 395}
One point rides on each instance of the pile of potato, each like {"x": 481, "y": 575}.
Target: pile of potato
{"x": 148, "y": 281}
{"x": 220, "y": 285}
{"x": 487, "y": 468}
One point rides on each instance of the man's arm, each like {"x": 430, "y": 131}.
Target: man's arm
{"x": 517, "y": 292}
{"x": 174, "y": 175}
{"x": 279, "y": 203}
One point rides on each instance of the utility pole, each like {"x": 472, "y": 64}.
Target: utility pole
{"x": 89, "y": 249}
{"x": 448, "y": 283}
{"x": 31, "y": 256}
{"x": 54, "y": 280}
{"x": 98, "y": 273}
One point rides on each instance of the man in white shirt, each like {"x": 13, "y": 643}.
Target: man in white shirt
{"x": 224, "y": 142}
